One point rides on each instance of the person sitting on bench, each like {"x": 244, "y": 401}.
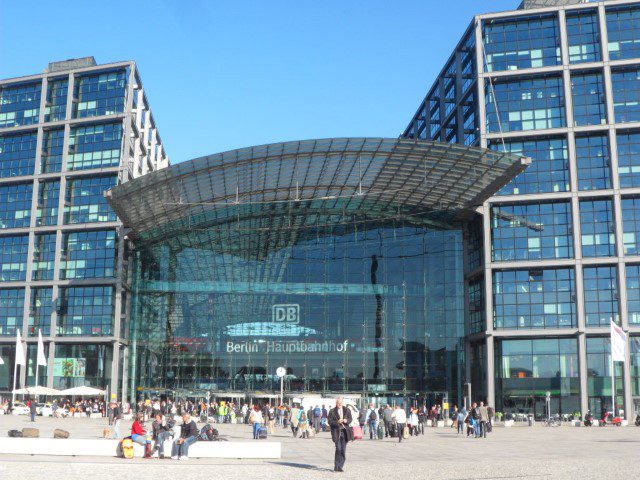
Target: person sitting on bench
{"x": 188, "y": 435}
{"x": 139, "y": 433}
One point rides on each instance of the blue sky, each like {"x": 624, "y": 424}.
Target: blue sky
{"x": 228, "y": 74}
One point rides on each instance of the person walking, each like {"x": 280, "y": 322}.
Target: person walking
{"x": 295, "y": 420}
{"x": 413, "y": 421}
{"x": 117, "y": 418}
{"x": 461, "y": 416}
{"x": 399, "y": 416}
{"x": 32, "y": 409}
{"x": 256, "y": 419}
{"x": 372, "y": 421}
{"x": 387, "y": 415}
{"x": 341, "y": 433}
{"x": 483, "y": 413}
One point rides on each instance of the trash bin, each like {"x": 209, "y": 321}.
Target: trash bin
{"x": 531, "y": 420}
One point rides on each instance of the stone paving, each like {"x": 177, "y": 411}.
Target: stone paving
{"x": 508, "y": 453}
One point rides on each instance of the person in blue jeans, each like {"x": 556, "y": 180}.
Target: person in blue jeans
{"x": 256, "y": 419}
{"x": 188, "y": 436}
{"x": 372, "y": 421}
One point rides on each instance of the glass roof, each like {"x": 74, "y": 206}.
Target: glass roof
{"x": 267, "y": 187}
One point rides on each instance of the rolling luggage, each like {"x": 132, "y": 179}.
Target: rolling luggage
{"x": 357, "y": 432}
{"x": 380, "y": 432}
{"x": 14, "y": 433}
{"x": 262, "y": 433}
{"x": 59, "y": 433}
{"x": 405, "y": 433}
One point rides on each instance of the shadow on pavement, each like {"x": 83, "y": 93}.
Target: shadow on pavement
{"x": 304, "y": 466}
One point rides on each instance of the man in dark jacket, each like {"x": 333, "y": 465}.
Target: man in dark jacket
{"x": 32, "y": 409}
{"x": 162, "y": 428}
{"x": 341, "y": 432}
{"x": 188, "y": 435}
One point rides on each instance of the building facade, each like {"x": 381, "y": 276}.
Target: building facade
{"x": 340, "y": 260}
{"x": 66, "y": 136}
{"x": 556, "y": 257}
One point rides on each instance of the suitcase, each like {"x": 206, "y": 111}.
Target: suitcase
{"x": 127, "y": 448}
{"x": 405, "y": 432}
{"x": 357, "y": 432}
{"x": 380, "y": 432}
{"x": 262, "y": 433}
{"x": 30, "y": 432}
{"x": 14, "y": 433}
{"x": 59, "y": 433}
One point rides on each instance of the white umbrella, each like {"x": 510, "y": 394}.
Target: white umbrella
{"x": 83, "y": 391}
{"x": 38, "y": 390}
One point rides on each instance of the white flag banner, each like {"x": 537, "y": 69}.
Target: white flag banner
{"x": 20, "y": 360}
{"x": 1, "y": 361}
{"x": 42, "y": 359}
{"x": 618, "y": 343}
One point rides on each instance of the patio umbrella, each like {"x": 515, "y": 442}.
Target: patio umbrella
{"x": 37, "y": 390}
{"x": 83, "y": 391}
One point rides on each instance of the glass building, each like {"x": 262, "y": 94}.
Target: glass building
{"x": 341, "y": 260}
{"x": 555, "y": 258}
{"x": 66, "y": 136}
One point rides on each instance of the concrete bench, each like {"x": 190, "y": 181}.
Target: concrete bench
{"x": 107, "y": 448}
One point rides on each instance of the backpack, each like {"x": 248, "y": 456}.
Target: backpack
{"x": 208, "y": 433}
{"x": 372, "y": 415}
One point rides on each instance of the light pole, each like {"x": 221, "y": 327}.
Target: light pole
{"x": 281, "y": 372}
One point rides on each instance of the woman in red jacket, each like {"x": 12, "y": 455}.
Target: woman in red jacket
{"x": 139, "y": 433}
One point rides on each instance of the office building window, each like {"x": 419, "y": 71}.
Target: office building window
{"x": 20, "y": 104}
{"x": 477, "y": 306}
{"x": 592, "y": 157}
{"x": 15, "y": 205}
{"x": 17, "y": 154}
{"x": 588, "y": 99}
{"x": 82, "y": 364}
{"x": 48, "y": 198}
{"x": 56, "y": 108}
{"x": 597, "y": 228}
{"x": 536, "y": 298}
{"x": 11, "y": 310}
{"x": 52, "y": 150}
{"x": 44, "y": 256}
{"x": 100, "y": 94}
{"x": 526, "y": 104}
{"x": 549, "y": 169}
{"x": 85, "y": 311}
{"x": 13, "y": 258}
{"x": 583, "y": 34}
{"x": 599, "y": 373}
{"x": 40, "y": 311}
{"x": 523, "y": 43}
{"x": 623, "y": 30}
{"x": 633, "y": 294}
{"x": 631, "y": 225}
{"x": 600, "y": 296}
{"x": 629, "y": 159}
{"x": 88, "y": 254}
{"x": 95, "y": 146}
{"x": 85, "y": 200}
{"x": 531, "y": 231}
{"x": 626, "y": 95}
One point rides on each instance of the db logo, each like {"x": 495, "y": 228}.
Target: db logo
{"x": 286, "y": 313}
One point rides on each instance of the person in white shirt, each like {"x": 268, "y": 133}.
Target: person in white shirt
{"x": 413, "y": 421}
{"x": 255, "y": 418}
{"x": 399, "y": 416}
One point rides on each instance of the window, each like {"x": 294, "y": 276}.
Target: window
{"x": 599, "y": 381}
{"x": 527, "y": 104}
{"x": 100, "y": 94}
{"x": 48, "y": 198}
{"x": 82, "y": 364}
{"x": 523, "y": 43}
{"x": 15, "y": 205}
{"x": 52, "y": 149}
{"x": 56, "y": 108}
{"x": 86, "y": 201}
{"x": 40, "y": 311}
{"x": 11, "y": 310}
{"x": 549, "y": 169}
{"x": 17, "y": 155}
{"x": 633, "y": 294}
{"x": 13, "y": 258}
{"x": 44, "y": 256}
{"x": 536, "y": 298}
{"x": 596, "y": 223}
{"x": 85, "y": 311}
{"x": 88, "y": 254}
{"x": 531, "y": 231}
{"x": 626, "y": 95}
{"x": 477, "y": 306}
{"x": 631, "y": 225}
{"x": 588, "y": 99}
{"x": 592, "y": 157}
{"x": 623, "y": 27}
{"x": 583, "y": 34}
{"x": 629, "y": 159}
{"x": 20, "y": 104}
{"x": 600, "y": 296}
{"x": 95, "y": 146}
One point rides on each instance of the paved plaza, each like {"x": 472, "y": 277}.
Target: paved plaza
{"x": 520, "y": 452}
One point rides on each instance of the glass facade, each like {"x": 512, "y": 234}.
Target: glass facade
{"x": 13, "y": 258}
{"x": 629, "y": 159}
{"x": 44, "y": 256}
{"x": 527, "y": 369}
{"x": 95, "y": 146}
{"x": 525, "y": 104}
{"x": 600, "y": 296}
{"x": 599, "y": 377}
{"x": 633, "y": 294}
{"x": 631, "y": 225}
{"x": 81, "y": 364}
{"x": 85, "y": 200}
{"x": 623, "y": 28}
{"x": 17, "y": 154}
{"x": 626, "y": 95}
{"x": 589, "y": 105}
{"x": 583, "y": 34}
{"x": 15, "y": 205}
{"x": 52, "y": 150}
{"x": 535, "y": 298}
{"x": 19, "y": 104}
{"x": 594, "y": 162}
{"x": 598, "y": 230}
{"x": 56, "y": 108}
{"x": 48, "y": 199}
{"x": 11, "y": 310}
{"x": 85, "y": 311}
{"x": 100, "y": 94}
{"x": 88, "y": 254}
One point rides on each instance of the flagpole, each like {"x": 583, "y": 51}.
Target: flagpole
{"x": 613, "y": 385}
{"x": 15, "y": 374}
